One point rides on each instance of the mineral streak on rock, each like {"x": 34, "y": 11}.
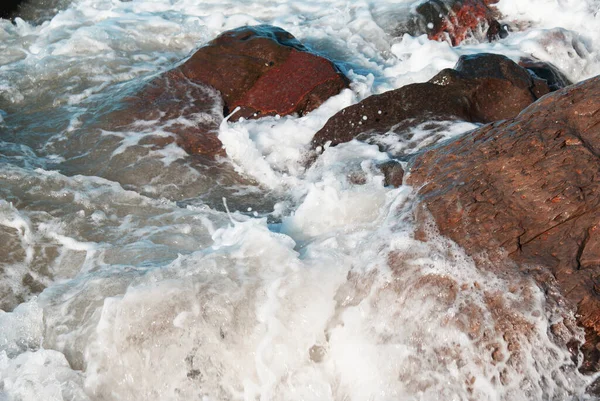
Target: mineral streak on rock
{"x": 481, "y": 88}
{"x": 529, "y": 185}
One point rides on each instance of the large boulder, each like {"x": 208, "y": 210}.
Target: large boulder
{"x": 481, "y": 88}
{"x": 264, "y": 70}
{"x": 528, "y": 189}
{"x": 258, "y": 71}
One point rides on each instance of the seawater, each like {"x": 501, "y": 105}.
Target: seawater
{"x": 137, "y": 272}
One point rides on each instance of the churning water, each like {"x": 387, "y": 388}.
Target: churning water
{"x": 130, "y": 271}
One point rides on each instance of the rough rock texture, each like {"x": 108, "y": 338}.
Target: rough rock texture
{"x": 481, "y": 88}
{"x": 393, "y": 173}
{"x": 453, "y": 20}
{"x": 529, "y": 185}
{"x": 264, "y": 70}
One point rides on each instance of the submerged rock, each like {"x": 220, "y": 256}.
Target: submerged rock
{"x": 260, "y": 70}
{"x": 453, "y": 20}
{"x": 528, "y": 186}
{"x": 481, "y": 88}
{"x": 175, "y": 104}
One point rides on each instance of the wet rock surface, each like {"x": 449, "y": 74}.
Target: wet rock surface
{"x": 34, "y": 12}
{"x": 261, "y": 70}
{"x": 546, "y": 71}
{"x": 530, "y": 186}
{"x": 454, "y": 20}
{"x": 264, "y": 70}
{"x": 180, "y": 106}
{"x": 393, "y": 173}
{"x": 481, "y": 88}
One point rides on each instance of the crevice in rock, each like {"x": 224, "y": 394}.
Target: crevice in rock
{"x": 554, "y": 226}
{"x": 581, "y": 248}
{"x": 587, "y": 145}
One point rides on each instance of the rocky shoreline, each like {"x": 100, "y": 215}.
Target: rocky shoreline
{"x": 520, "y": 194}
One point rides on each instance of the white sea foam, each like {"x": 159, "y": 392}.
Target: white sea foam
{"x": 122, "y": 276}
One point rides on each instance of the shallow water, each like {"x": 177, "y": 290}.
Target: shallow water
{"x": 130, "y": 271}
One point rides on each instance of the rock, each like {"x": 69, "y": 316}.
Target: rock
{"x": 9, "y": 7}
{"x": 452, "y": 20}
{"x": 481, "y": 88}
{"x": 553, "y": 76}
{"x": 264, "y": 70}
{"x": 393, "y": 173}
{"x": 496, "y": 31}
{"x": 528, "y": 189}
{"x": 175, "y": 104}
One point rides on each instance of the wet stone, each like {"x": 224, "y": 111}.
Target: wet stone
{"x": 451, "y": 20}
{"x": 9, "y": 7}
{"x": 481, "y": 88}
{"x": 393, "y": 173}
{"x": 250, "y": 71}
{"x": 264, "y": 70}
{"x": 525, "y": 195}
{"x": 317, "y": 353}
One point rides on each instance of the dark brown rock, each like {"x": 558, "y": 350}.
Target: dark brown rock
{"x": 264, "y": 70}
{"x": 554, "y": 78}
{"x": 481, "y": 88}
{"x": 529, "y": 186}
{"x": 496, "y": 31}
{"x": 393, "y": 173}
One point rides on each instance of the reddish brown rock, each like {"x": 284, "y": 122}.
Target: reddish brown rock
{"x": 264, "y": 70}
{"x": 481, "y": 88}
{"x": 529, "y": 186}
{"x": 452, "y": 20}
